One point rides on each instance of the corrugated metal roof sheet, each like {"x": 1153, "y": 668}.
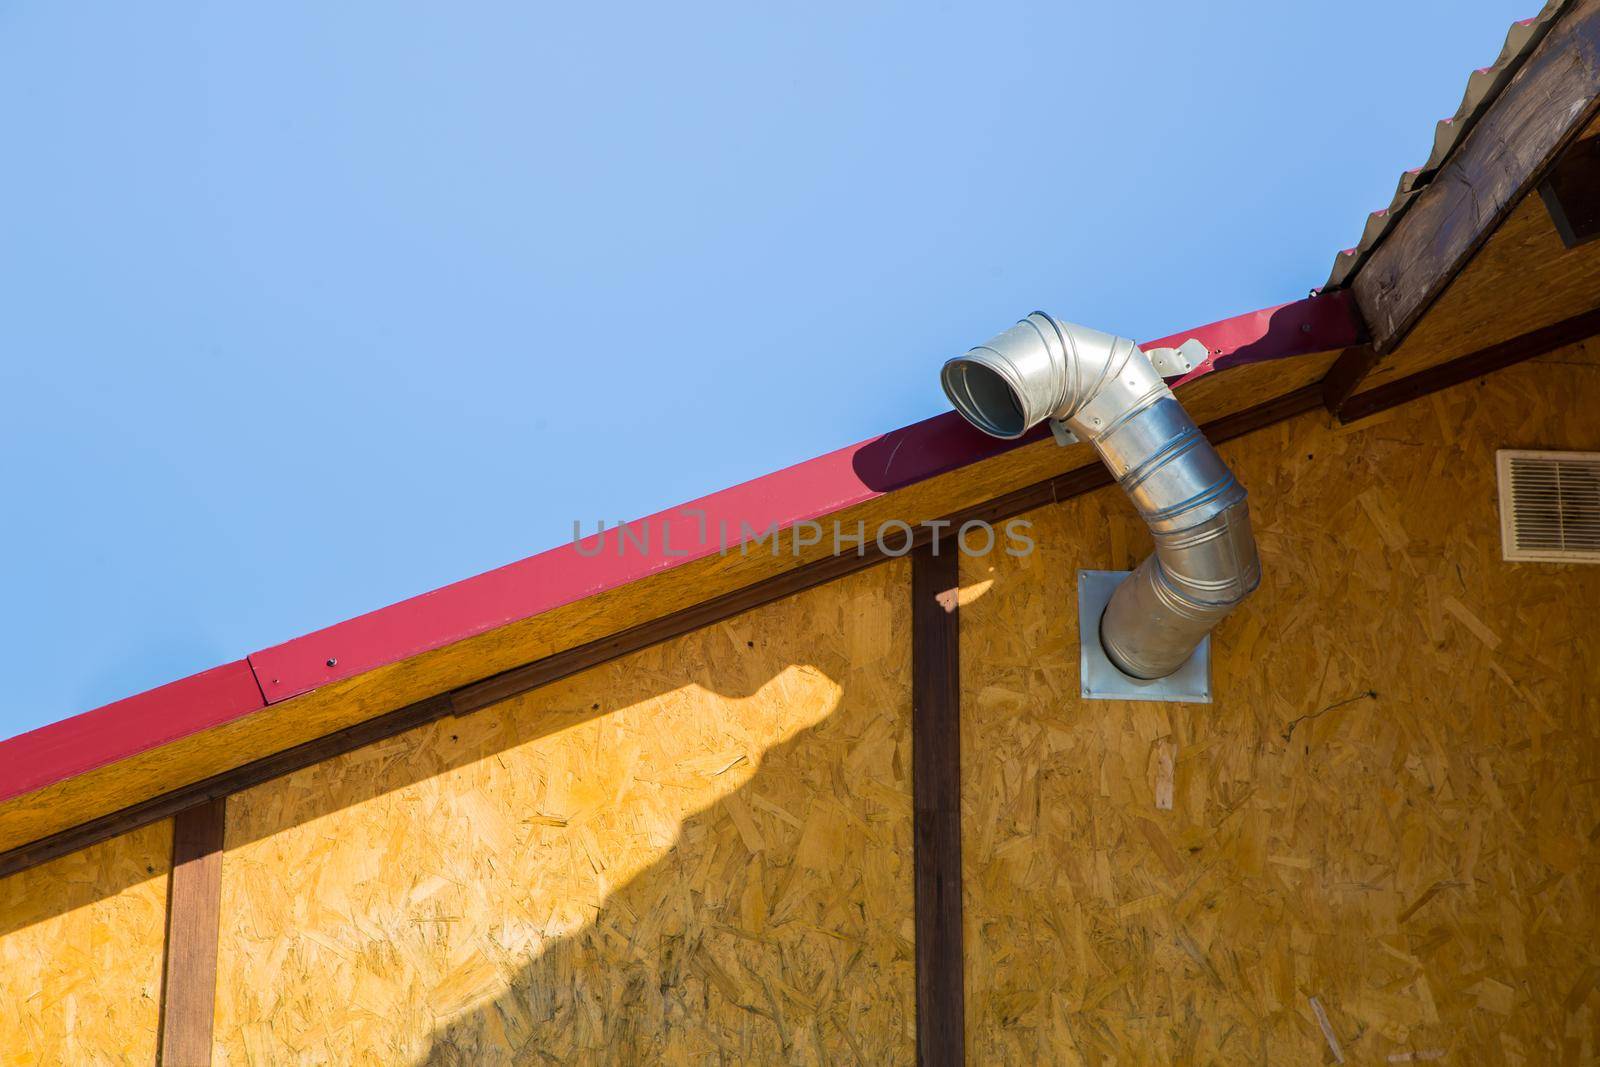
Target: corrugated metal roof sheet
{"x": 1483, "y": 87}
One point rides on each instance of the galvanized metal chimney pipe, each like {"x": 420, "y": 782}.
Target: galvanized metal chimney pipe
{"x": 1107, "y": 392}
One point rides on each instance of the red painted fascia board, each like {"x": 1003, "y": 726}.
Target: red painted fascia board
{"x": 127, "y": 727}
{"x": 806, "y": 491}
{"x": 560, "y": 576}
{"x": 529, "y": 587}
{"x": 1317, "y": 324}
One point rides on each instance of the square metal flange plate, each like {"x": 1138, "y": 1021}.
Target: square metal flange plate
{"x": 1190, "y": 683}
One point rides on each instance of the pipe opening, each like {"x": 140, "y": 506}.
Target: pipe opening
{"x": 984, "y": 398}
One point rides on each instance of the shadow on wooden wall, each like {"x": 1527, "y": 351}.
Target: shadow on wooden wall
{"x": 700, "y": 852}
{"x": 763, "y": 935}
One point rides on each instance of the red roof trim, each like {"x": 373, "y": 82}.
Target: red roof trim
{"x": 529, "y": 587}
{"x": 560, "y": 576}
{"x": 1318, "y": 324}
{"x": 116, "y": 731}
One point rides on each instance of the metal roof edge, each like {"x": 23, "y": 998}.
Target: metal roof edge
{"x": 1484, "y": 86}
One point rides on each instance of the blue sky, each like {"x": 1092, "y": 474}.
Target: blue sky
{"x": 306, "y": 308}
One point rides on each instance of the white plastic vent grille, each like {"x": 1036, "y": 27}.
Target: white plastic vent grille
{"x": 1550, "y": 506}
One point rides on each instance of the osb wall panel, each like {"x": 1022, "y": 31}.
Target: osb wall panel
{"x": 81, "y": 942}
{"x": 1380, "y": 845}
{"x": 700, "y": 853}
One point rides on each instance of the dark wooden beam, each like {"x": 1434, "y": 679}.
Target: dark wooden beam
{"x": 1571, "y": 193}
{"x": 194, "y": 910}
{"x": 509, "y": 683}
{"x": 1346, "y": 375}
{"x": 218, "y": 786}
{"x": 1485, "y": 361}
{"x": 1546, "y": 105}
{"x": 1268, "y": 413}
{"x": 936, "y": 789}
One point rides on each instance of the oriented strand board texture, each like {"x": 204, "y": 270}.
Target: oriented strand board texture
{"x": 699, "y": 853}
{"x": 81, "y": 941}
{"x": 1385, "y": 833}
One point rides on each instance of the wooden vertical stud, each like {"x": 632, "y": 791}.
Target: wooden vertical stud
{"x": 194, "y": 904}
{"x": 936, "y": 785}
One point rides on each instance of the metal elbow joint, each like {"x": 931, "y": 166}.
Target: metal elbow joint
{"x": 1107, "y": 392}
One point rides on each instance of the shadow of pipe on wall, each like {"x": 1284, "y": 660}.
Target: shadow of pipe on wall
{"x": 727, "y": 665}
{"x": 701, "y": 851}
{"x": 769, "y": 931}
{"x": 109, "y": 868}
